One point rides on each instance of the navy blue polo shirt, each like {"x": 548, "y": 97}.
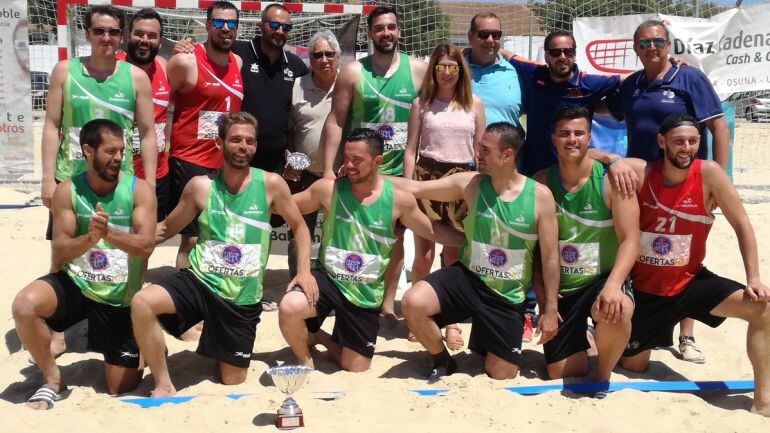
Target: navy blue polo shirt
{"x": 681, "y": 90}
{"x": 542, "y": 96}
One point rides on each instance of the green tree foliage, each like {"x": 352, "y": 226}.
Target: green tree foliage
{"x": 559, "y": 14}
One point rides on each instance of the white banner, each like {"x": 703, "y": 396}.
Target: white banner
{"x": 16, "y": 147}
{"x": 732, "y": 48}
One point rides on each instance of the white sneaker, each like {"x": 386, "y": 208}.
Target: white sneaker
{"x": 690, "y": 351}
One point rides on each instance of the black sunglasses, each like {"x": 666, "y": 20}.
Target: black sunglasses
{"x": 99, "y": 31}
{"x": 556, "y": 52}
{"x": 274, "y": 25}
{"x": 318, "y": 55}
{"x": 647, "y": 43}
{"x": 484, "y": 34}
{"x": 219, "y": 23}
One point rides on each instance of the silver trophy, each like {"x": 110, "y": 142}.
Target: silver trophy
{"x": 298, "y": 161}
{"x": 288, "y": 379}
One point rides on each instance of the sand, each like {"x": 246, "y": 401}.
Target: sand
{"x": 380, "y": 399}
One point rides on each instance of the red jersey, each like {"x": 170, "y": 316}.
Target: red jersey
{"x": 219, "y": 89}
{"x": 161, "y": 92}
{"x": 674, "y": 226}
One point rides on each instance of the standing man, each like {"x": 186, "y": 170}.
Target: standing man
{"x": 311, "y": 103}
{"x": 223, "y": 286}
{"x": 509, "y": 216}
{"x": 670, "y": 282}
{"x": 598, "y": 245}
{"x": 494, "y": 80}
{"x": 361, "y": 210}
{"x": 103, "y": 230}
{"x": 144, "y": 36}
{"x": 204, "y": 85}
{"x": 377, "y": 92}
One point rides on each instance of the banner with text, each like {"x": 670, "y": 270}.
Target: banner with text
{"x": 732, "y": 48}
{"x": 16, "y": 147}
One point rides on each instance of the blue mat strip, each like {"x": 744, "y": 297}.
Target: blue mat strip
{"x": 740, "y": 385}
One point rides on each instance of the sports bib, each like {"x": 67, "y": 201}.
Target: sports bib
{"x": 496, "y": 262}
{"x": 660, "y": 249}
{"x": 579, "y": 258}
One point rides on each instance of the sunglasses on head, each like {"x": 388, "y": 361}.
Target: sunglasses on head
{"x": 556, "y": 52}
{"x": 219, "y": 23}
{"x": 484, "y": 34}
{"x": 647, "y": 43}
{"x": 318, "y": 55}
{"x": 275, "y": 25}
{"x": 100, "y": 31}
{"x": 451, "y": 69}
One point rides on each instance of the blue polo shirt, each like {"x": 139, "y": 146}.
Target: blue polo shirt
{"x": 542, "y": 96}
{"x": 497, "y": 85}
{"x": 681, "y": 90}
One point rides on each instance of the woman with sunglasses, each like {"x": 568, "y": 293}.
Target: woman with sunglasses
{"x": 445, "y": 125}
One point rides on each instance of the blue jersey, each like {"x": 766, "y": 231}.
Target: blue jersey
{"x": 542, "y": 96}
{"x": 497, "y": 85}
{"x": 682, "y": 90}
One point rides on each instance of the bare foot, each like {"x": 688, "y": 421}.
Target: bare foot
{"x": 765, "y": 411}
{"x": 391, "y": 320}
{"x": 194, "y": 333}
{"x": 163, "y": 391}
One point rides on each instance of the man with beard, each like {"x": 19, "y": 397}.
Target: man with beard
{"x": 104, "y": 228}
{"x": 144, "y": 35}
{"x": 670, "y": 282}
{"x": 509, "y": 217}
{"x": 204, "y": 85}
{"x": 223, "y": 286}
{"x": 358, "y": 236}
{"x": 377, "y": 92}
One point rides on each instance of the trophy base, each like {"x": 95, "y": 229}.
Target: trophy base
{"x": 288, "y": 422}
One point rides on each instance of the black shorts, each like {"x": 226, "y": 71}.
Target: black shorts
{"x": 109, "y": 328}
{"x": 497, "y": 324}
{"x": 229, "y": 330}
{"x": 656, "y": 316}
{"x": 575, "y": 309}
{"x": 354, "y": 327}
{"x": 180, "y": 172}
{"x": 162, "y": 194}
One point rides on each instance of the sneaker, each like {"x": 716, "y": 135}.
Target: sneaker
{"x": 690, "y": 352}
{"x": 440, "y": 371}
{"x": 527, "y": 335}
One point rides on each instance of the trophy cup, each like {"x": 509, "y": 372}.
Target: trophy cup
{"x": 298, "y": 161}
{"x": 288, "y": 379}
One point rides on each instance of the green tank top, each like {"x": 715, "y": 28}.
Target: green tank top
{"x": 105, "y": 273}
{"x": 86, "y": 99}
{"x": 500, "y": 238}
{"x": 587, "y": 241}
{"x": 356, "y": 243}
{"x": 233, "y": 241}
{"x": 383, "y": 104}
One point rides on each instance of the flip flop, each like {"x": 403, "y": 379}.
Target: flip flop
{"x": 46, "y": 394}
{"x": 269, "y": 306}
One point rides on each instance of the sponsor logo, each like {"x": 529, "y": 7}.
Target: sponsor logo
{"x": 403, "y": 91}
{"x": 516, "y": 350}
{"x": 254, "y": 210}
{"x": 119, "y": 211}
{"x": 120, "y": 95}
{"x": 287, "y": 72}
{"x": 520, "y": 219}
{"x": 369, "y": 344}
{"x": 254, "y": 68}
{"x": 570, "y": 254}
{"x": 633, "y": 345}
{"x": 574, "y": 92}
{"x": 354, "y": 263}
{"x": 668, "y": 97}
{"x": 242, "y": 355}
{"x": 484, "y": 214}
{"x": 161, "y": 88}
{"x": 98, "y": 260}
{"x": 386, "y": 132}
{"x": 661, "y": 245}
{"x": 588, "y": 209}
{"x": 209, "y": 83}
{"x": 232, "y": 255}
{"x": 636, "y": 92}
{"x": 81, "y": 97}
{"x": 688, "y": 202}
{"x": 129, "y": 355}
{"x": 497, "y": 257}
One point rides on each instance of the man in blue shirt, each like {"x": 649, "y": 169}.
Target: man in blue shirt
{"x": 547, "y": 87}
{"x": 662, "y": 89}
{"x": 494, "y": 80}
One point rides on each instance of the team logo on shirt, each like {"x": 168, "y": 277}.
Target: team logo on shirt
{"x": 497, "y": 257}
{"x": 98, "y": 260}
{"x": 232, "y": 255}
{"x": 574, "y": 92}
{"x": 254, "y": 68}
{"x": 661, "y": 245}
{"x": 288, "y": 75}
{"x": 688, "y": 203}
{"x": 668, "y": 96}
{"x": 386, "y": 132}
{"x": 570, "y": 254}
{"x": 354, "y": 263}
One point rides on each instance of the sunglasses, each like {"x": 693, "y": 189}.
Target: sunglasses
{"x": 484, "y": 34}
{"x": 100, "y": 31}
{"x": 647, "y": 43}
{"x": 557, "y": 52}
{"x": 275, "y": 25}
{"x": 318, "y": 55}
{"x": 219, "y": 23}
{"x": 451, "y": 69}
